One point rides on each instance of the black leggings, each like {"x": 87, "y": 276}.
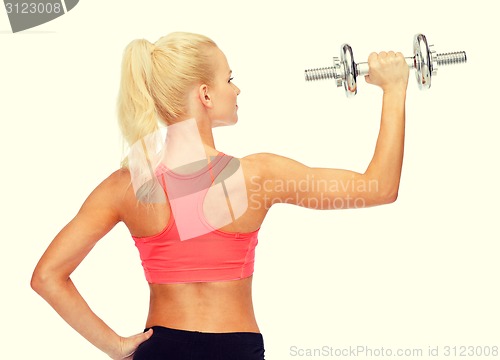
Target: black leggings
{"x": 173, "y": 344}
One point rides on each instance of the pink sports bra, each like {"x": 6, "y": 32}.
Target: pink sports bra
{"x": 189, "y": 249}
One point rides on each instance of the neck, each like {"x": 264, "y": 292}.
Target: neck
{"x": 206, "y": 136}
{"x": 188, "y": 142}
{"x": 203, "y": 123}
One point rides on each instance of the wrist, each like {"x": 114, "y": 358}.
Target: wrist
{"x": 395, "y": 90}
{"x": 115, "y": 350}
{"x": 396, "y": 97}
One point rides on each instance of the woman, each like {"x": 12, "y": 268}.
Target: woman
{"x": 199, "y": 263}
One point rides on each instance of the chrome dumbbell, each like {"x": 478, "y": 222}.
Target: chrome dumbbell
{"x": 425, "y": 61}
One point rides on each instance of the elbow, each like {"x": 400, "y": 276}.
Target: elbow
{"x": 383, "y": 190}
{"x": 41, "y": 281}
{"x": 386, "y": 197}
{"x": 390, "y": 198}
{"x": 38, "y": 279}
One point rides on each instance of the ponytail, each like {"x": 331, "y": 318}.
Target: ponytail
{"x": 137, "y": 115}
{"x": 155, "y": 79}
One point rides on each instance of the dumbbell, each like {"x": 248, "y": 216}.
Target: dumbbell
{"x": 425, "y": 61}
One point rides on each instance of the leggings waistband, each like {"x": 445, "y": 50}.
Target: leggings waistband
{"x": 240, "y": 337}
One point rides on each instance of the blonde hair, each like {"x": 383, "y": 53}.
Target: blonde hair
{"x": 155, "y": 79}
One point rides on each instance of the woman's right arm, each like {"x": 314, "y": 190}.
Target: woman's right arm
{"x": 51, "y": 277}
{"x": 283, "y": 180}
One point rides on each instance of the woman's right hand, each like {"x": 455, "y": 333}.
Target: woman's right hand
{"x": 388, "y": 70}
{"x": 128, "y": 345}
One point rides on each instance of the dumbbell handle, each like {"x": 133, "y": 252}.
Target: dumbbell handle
{"x": 362, "y": 68}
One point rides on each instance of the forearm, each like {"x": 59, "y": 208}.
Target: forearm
{"x": 70, "y": 305}
{"x": 386, "y": 164}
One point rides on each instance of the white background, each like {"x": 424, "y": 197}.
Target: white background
{"x": 417, "y": 273}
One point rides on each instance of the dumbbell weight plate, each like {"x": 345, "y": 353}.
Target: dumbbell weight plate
{"x": 423, "y": 62}
{"x": 347, "y": 60}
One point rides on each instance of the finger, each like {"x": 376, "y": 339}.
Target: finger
{"x": 140, "y": 338}
{"x": 147, "y": 334}
{"x": 372, "y": 58}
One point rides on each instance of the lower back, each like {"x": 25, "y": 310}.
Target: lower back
{"x": 224, "y": 306}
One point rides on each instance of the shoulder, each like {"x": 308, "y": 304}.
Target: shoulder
{"x": 265, "y": 172}
{"x": 118, "y": 182}
{"x": 254, "y": 165}
{"x": 261, "y": 161}
{"x": 113, "y": 192}
{"x": 269, "y": 164}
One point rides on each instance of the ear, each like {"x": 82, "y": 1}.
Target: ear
{"x": 204, "y": 95}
